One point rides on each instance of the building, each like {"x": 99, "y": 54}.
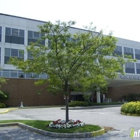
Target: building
{"x": 15, "y": 35}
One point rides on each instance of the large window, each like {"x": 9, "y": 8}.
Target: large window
{"x": 14, "y": 36}
{"x": 34, "y": 37}
{"x": 128, "y": 52}
{"x": 137, "y": 54}
{"x": 129, "y": 67}
{"x": 13, "y": 53}
{"x": 138, "y": 68}
{"x": 118, "y": 51}
{"x": 0, "y": 33}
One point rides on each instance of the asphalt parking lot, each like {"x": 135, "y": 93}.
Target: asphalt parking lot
{"x": 110, "y": 117}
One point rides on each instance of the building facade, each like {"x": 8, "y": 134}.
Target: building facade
{"x": 17, "y": 32}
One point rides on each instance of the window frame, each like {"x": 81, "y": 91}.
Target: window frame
{"x": 130, "y": 67}
{"x": 9, "y": 54}
{"x": 14, "y": 35}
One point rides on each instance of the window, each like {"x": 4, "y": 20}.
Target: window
{"x": 128, "y": 51}
{"x": 43, "y": 76}
{"x": 29, "y": 75}
{"x": 0, "y": 55}
{"x": 0, "y": 32}
{"x": 138, "y": 68}
{"x": 129, "y": 68}
{"x": 137, "y": 54}
{"x": 13, "y": 53}
{"x": 118, "y": 51}
{"x": 34, "y": 37}
{"x": 21, "y": 74}
{"x": 14, "y": 74}
{"x": 6, "y": 73}
{"x": 14, "y": 36}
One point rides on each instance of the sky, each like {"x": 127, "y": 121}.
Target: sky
{"x": 122, "y": 17}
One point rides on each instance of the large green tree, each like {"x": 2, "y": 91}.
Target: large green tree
{"x": 71, "y": 60}
{"x": 2, "y": 94}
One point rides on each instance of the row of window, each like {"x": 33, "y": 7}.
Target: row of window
{"x": 20, "y": 74}
{"x": 16, "y": 36}
{"x": 129, "y": 67}
{"x": 14, "y": 53}
{"x": 127, "y": 51}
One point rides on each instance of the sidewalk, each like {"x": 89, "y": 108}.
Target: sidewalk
{"x": 5, "y": 110}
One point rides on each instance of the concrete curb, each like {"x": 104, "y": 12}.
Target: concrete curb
{"x": 57, "y": 135}
{"x": 91, "y": 107}
{"x": 7, "y": 110}
{"x": 129, "y": 114}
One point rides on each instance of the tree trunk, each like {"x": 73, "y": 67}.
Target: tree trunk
{"x": 67, "y": 108}
{"x": 66, "y": 90}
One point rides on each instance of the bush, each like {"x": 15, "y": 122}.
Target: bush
{"x": 131, "y": 107}
{"x": 78, "y": 103}
{"x": 3, "y": 95}
{"x": 2, "y": 105}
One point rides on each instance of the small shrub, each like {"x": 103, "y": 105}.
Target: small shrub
{"x": 87, "y": 97}
{"x": 2, "y": 105}
{"x": 78, "y": 103}
{"x": 131, "y": 107}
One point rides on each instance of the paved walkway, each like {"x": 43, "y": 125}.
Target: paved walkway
{"x": 103, "y": 117}
{"x": 6, "y": 110}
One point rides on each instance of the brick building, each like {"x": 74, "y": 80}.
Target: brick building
{"x": 15, "y": 35}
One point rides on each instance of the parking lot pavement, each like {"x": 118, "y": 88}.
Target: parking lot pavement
{"x": 17, "y": 133}
{"x": 104, "y": 117}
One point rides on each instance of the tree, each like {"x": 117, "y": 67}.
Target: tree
{"x": 72, "y": 61}
{"x": 2, "y": 94}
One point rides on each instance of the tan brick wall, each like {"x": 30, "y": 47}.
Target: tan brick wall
{"x": 116, "y": 93}
{"x": 24, "y": 90}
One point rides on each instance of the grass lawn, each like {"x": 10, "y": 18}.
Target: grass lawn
{"x": 44, "y": 126}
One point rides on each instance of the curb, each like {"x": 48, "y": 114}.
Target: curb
{"x": 129, "y": 114}
{"x": 91, "y": 107}
{"x": 6, "y": 111}
{"x": 57, "y": 135}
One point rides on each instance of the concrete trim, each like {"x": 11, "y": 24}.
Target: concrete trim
{"x": 57, "y": 135}
{"x": 92, "y": 107}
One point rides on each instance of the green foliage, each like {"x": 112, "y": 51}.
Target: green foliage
{"x": 86, "y": 97}
{"x": 132, "y": 97}
{"x": 2, "y": 105}
{"x": 4, "y": 96}
{"x": 131, "y": 108}
{"x": 78, "y": 103}
{"x": 72, "y": 59}
{"x": 2, "y": 81}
